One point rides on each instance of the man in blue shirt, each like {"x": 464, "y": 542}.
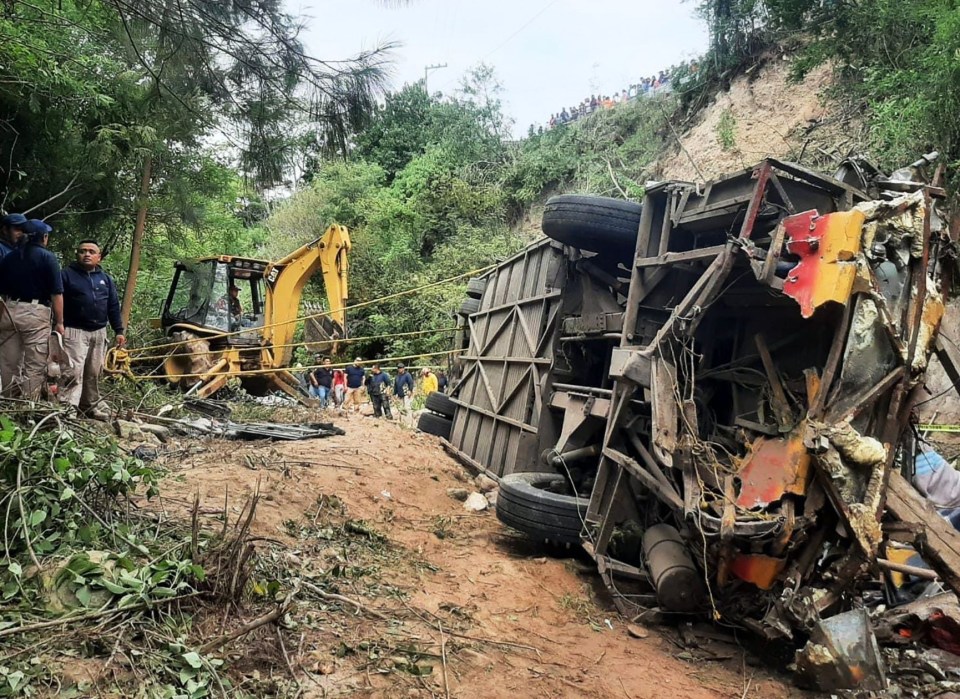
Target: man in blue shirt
{"x": 90, "y": 301}
{"x": 355, "y": 380}
{"x": 403, "y": 389}
{"x": 377, "y": 384}
{"x": 321, "y": 383}
{"x": 31, "y": 291}
{"x": 11, "y": 232}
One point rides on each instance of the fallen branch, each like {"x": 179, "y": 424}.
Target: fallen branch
{"x": 304, "y": 464}
{"x": 99, "y": 614}
{"x": 443, "y": 659}
{"x": 263, "y": 620}
{"x": 615, "y": 183}
{"x": 922, "y": 573}
{"x": 340, "y": 598}
{"x": 286, "y": 658}
{"x": 467, "y": 637}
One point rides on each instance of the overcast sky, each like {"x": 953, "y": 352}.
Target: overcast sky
{"x": 548, "y": 54}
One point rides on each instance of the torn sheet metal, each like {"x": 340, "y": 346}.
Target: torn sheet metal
{"x": 827, "y": 247}
{"x": 842, "y": 653}
{"x": 869, "y": 355}
{"x": 899, "y": 220}
{"x": 773, "y": 468}
{"x": 758, "y": 569}
{"x": 933, "y": 621}
{"x": 268, "y": 430}
{"x": 930, "y": 319}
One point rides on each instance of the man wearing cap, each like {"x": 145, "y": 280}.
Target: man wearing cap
{"x": 377, "y": 384}
{"x": 11, "y": 232}
{"x": 355, "y": 379}
{"x": 321, "y": 383}
{"x": 31, "y": 291}
{"x": 403, "y": 389}
{"x": 90, "y": 301}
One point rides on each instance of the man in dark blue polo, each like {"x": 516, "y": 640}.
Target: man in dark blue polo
{"x": 90, "y": 301}
{"x": 31, "y": 291}
{"x": 403, "y": 389}
{"x": 377, "y": 383}
{"x": 356, "y": 376}
{"x": 11, "y": 233}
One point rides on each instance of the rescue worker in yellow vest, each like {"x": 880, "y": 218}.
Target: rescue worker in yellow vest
{"x": 428, "y": 382}
{"x": 31, "y": 295}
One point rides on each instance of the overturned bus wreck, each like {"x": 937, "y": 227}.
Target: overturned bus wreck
{"x": 712, "y": 393}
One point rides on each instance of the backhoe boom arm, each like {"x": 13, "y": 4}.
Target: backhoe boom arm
{"x": 287, "y": 278}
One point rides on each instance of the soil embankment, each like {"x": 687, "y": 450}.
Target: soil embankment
{"x": 516, "y": 621}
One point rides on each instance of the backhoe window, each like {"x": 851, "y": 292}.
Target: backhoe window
{"x": 251, "y": 302}
{"x": 190, "y": 299}
{"x": 218, "y": 315}
{"x": 201, "y": 296}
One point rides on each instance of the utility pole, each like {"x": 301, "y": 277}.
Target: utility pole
{"x": 426, "y": 74}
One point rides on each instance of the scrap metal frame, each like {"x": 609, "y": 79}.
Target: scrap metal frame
{"x": 638, "y": 365}
{"x": 495, "y": 425}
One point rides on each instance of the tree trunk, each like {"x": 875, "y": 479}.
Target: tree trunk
{"x": 134, "y": 268}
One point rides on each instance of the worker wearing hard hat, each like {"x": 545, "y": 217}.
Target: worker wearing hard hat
{"x": 31, "y": 294}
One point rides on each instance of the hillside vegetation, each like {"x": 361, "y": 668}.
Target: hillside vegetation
{"x": 430, "y": 194}
{"x": 433, "y": 190}
{"x": 431, "y": 185}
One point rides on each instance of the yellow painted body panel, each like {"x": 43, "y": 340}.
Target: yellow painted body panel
{"x": 827, "y": 247}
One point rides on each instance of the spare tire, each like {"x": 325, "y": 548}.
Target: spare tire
{"x": 435, "y": 424}
{"x": 441, "y": 403}
{"x": 597, "y": 224}
{"x": 475, "y": 287}
{"x": 469, "y": 307}
{"x": 530, "y": 503}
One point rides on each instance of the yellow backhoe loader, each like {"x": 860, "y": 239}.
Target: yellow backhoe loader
{"x": 236, "y": 314}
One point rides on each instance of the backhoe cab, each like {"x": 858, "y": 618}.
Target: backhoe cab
{"x": 236, "y": 315}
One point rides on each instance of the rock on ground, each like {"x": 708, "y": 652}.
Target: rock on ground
{"x": 476, "y": 502}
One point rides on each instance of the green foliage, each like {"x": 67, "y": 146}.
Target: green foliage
{"x": 92, "y": 91}
{"x": 726, "y": 130}
{"x": 469, "y": 127}
{"x": 70, "y": 548}
{"x": 226, "y": 220}
{"x": 900, "y": 59}
{"x": 903, "y": 59}
{"x": 608, "y": 152}
{"x": 432, "y": 189}
{"x": 50, "y": 477}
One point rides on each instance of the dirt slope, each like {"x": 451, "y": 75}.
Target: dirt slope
{"x": 465, "y": 570}
{"x": 763, "y": 114}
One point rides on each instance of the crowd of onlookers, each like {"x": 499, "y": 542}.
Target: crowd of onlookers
{"x": 345, "y": 389}
{"x": 657, "y": 83}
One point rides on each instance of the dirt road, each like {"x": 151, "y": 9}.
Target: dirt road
{"x": 454, "y": 604}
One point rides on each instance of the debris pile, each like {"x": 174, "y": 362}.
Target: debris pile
{"x": 728, "y": 422}
{"x": 221, "y": 427}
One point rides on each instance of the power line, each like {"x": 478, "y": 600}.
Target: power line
{"x": 522, "y": 27}
{"x": 512, "y": 36}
